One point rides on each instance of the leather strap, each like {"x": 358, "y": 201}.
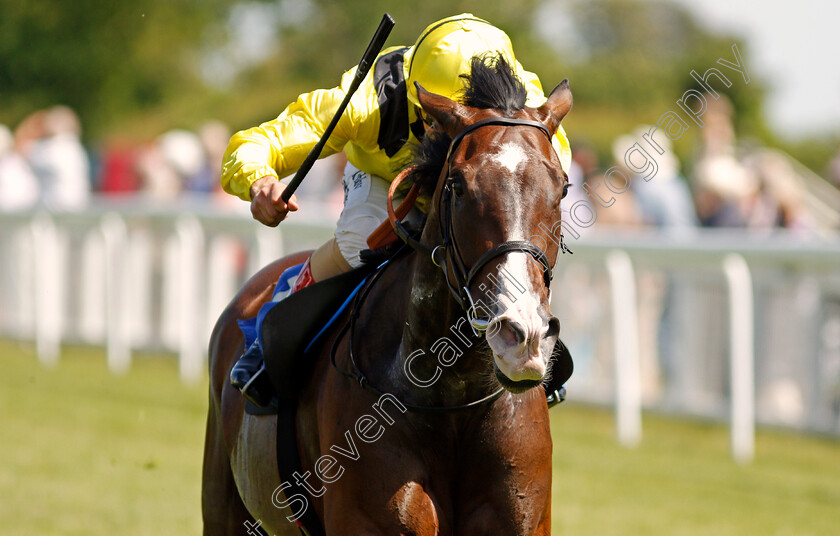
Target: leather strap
{"x": 506, "y": 121}
{"x": 288, "y": 463}
{"x": 385, "y": 234}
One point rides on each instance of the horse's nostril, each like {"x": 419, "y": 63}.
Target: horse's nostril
{"x": 516, "y": 330}
{"x": 553, "y": 328}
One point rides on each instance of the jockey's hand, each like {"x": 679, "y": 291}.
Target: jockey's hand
{"x": 267, "y": 206}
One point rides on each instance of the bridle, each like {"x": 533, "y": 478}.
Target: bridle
{"x": 447, "y": 255}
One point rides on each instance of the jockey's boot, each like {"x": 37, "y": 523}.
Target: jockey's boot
{"x": 249, "y": 374}
{"x": 250, "y": 377}
{"x": 562, "y": 367}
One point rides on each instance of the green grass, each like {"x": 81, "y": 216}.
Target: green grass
{"x": 682, "y": 481}
{"x": 83, "y": 452}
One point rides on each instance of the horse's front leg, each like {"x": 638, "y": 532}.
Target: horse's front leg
{"x": 505, "y": 484}
{"x": 375, "y": 475}
{"x": 410, "y": 510}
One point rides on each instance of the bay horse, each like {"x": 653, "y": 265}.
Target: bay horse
{"x": 452, "y": 437}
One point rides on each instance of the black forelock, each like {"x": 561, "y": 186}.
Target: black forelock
{"x": 492, "y": 83}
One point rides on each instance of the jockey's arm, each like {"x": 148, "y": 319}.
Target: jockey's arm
{"x": 257, "y": 158}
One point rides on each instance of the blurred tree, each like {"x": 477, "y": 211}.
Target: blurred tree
{"x": 101, "y": 57}
{"x": 333, "y": 37}
{"x": 630, "y": 61}
{"x": 138, "y": 68}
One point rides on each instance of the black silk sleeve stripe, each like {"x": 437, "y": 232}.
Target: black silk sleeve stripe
{"x": 393, "y": 101}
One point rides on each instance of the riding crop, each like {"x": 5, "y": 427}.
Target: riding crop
{"x": 369, "y": 56}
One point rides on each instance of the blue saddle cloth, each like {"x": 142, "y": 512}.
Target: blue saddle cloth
{"x": 290, "y": 326}
{"x": 252, "y": 327}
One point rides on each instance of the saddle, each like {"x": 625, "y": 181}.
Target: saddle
{"x": 293, "y": 326}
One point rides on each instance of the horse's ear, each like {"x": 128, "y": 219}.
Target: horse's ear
{"x": 450, "y": 115}
{"x": 557, "y": 106}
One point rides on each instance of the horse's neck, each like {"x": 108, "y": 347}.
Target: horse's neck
{"x": 437, "y": 332}
{"x": 436, "y": 359}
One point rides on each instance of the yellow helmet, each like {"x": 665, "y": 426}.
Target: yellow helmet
{"x": 442, "y": 53}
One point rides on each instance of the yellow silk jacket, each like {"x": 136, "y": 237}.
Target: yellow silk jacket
{"x": 376, "y": 131}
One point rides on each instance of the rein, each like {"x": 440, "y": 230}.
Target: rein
{"x": 359, "y": 376}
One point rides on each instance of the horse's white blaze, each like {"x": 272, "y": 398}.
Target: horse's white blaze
{"x": 510, "y": 156}
{"x": 519, "y": 303}
{"x": 516, "y": 299}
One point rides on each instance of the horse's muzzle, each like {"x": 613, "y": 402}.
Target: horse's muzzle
{"x": 521, "y": 350}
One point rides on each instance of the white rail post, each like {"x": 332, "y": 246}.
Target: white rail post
{"x": 117, "y": 334}
{"x": 190, "y": 309}
{"x": 269, "y": 246}
{"x": 92, "y": 287}
{"x": 741, "y": 357}
{"x": 140, "y": 317}
{"x": 23, "y": 245}
{"x": 48, "y": 290}
{"x": 625, "y": 320}
{"x": 221, "y": 277}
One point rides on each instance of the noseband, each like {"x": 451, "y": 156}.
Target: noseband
{"x": 447, "y": 255}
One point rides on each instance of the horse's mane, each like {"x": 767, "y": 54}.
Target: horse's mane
{"x": 491, "y": 84}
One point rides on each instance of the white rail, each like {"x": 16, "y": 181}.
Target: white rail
{"x": 137, "y": 276}
{"x": 810, "y": 266}
{"x": 741, "y": 356}
{"x": 133, "y": 276}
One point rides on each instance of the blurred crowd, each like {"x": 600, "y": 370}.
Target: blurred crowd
{"x": 44, "y": 163}
{"x": 729, "y": 184}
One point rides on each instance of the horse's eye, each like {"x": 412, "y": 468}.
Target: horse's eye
{"x": 457, "y": 187}
{"x": 565, "y": 190}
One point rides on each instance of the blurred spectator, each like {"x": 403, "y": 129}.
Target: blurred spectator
{"x": 29, "y": 131}
{"x": 664, "y": 200}
{"x": 780, "y": 201}
{"x": 58, "y": 159}
{"x": 585, "y": 159}
{"x": 18, "y": 184}
{"x": 724, "y": 188}
{"x": 119, "y": 170}
{"x": 620, "y": 210}
{"x": 157, "y": 178}
{"x": 214, "y": 137}
{"x": 183, "y": 152}
{"x": 584, "y": 164}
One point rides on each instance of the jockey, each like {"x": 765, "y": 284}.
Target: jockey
{"x": 377, "y": 131}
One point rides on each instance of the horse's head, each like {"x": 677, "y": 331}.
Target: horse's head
{"x": 499, "y": 187}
